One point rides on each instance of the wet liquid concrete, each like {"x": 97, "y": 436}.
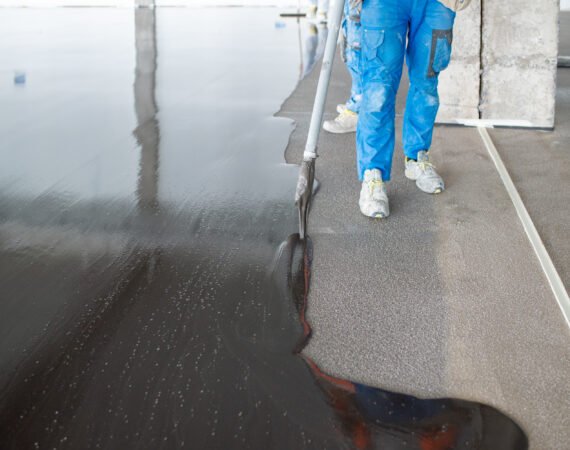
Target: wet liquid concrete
{"x": 152, "y": 294}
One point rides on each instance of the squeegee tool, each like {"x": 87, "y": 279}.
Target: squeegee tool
{"x": 304, "y": 191}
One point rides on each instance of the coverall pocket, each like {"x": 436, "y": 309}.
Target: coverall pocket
{"x": 440, "y": 54}
{"x": 372, "y": 40}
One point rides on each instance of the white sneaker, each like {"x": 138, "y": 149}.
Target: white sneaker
{"x": 373, "y": 198}
{"x": 345, "y": 122}
{"x": 424, "y": 174}
{"x": 341, "y": 107}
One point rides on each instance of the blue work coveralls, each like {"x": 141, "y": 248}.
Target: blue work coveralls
{"x": 352, "y": 52}
{"x": 385, "y": 25}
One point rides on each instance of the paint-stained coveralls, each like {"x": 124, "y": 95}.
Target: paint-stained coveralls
{"x": 420, "y": 30}
{"x": 352, "y": 51}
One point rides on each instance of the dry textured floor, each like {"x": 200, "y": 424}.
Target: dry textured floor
{"x": 446, "y": 297}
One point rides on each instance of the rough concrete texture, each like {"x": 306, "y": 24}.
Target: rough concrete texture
{"x": 459, "y": 85}
{"x": 519, "y": 56}
{"x": 539, "y": 164}
{"x": 445, "y": 297}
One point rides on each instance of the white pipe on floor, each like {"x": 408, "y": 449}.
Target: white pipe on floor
{"x": 550, "y": 271}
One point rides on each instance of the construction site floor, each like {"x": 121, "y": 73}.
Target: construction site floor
{"x": 445, "y": 297}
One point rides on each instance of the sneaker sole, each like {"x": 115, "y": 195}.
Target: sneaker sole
{"x": 409, "y": 177}
{"x": 437, "y": 191}
{"x": 378, "y": 215}
{"x": 338, "y": 131}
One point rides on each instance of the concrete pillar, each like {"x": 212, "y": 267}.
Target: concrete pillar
{"x": 519, "y": 57}
{"x": 503, "y": 66}
{"x": 459, "y": 85}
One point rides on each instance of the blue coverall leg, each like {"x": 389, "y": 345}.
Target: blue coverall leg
{"x": 352, "y": 51}
{"x": 386, "y": 24}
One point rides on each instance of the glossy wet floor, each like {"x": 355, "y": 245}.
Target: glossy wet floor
{"x": 152, "y": 295}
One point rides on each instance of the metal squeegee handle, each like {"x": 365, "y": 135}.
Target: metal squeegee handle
{"x": 335, "y": 18}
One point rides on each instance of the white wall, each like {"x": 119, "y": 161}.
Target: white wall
{"x": 565, "y": 5}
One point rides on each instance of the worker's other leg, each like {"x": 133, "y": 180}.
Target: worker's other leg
{"x": 384, "y": 26}
{"x": 428, "y": 53}
{"x": 347, "y": 119}
{"x": 353, "y": 54}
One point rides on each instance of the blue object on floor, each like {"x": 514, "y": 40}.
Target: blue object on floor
{"x": 20, "y": 78}
{"x": 420, "y": 30}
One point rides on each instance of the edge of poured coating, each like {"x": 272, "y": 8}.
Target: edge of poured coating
{"x": 370, "y": 416}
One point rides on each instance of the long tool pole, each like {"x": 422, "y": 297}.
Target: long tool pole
{"x": 304, "y": 189}
{"x": 335, "y": 19}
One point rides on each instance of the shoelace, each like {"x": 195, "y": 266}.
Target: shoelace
{"x": 425, "y": 166}
{"x": 372, "y": 184}
{"x": 345, "y": 113}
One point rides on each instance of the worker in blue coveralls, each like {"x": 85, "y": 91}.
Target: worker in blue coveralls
{"x": 420, "y": 30}
{"x": 347, "y": 117}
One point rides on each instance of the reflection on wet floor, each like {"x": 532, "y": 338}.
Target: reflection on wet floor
{"x": 147, "y": 132}
{"x": 374, "y": 418}
{"x": 314, "y": 46}
{"x": 170, "y": 312}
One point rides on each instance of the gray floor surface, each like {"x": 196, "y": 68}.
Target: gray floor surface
{"x": 564, "y": 36}
{"x": 446, "y": 296}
